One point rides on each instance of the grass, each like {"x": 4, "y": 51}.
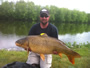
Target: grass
{"x": 21, "y": 56}
{"x": 11, "y": 56}
{"x": 83, "y": 62}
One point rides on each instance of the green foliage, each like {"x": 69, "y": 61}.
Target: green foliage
{"x": 6, "y": 10}
{"x": 80, "y": 45}
{"x": 22, "y": 28}
{"x": 88, "y": 18}
{"x": 52, "y": 11}
{"x": 72, "y": 28}
{"x": 22, "y": 10}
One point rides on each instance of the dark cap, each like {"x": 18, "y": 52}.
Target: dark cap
{"x": 44, "y": 11}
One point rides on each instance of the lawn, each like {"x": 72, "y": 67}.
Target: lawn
{"x": 21, "y": 56}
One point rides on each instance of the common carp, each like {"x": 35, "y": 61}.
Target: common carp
{"x": 44, "y": 44}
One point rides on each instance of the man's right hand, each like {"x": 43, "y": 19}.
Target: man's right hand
{"x": 55, "y": 52}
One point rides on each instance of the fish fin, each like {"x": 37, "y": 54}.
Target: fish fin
{"x": 73, "y": 56}
{"x": 42, "y": 57}
{"x": 43, "y": 34}
{"x": 27, "y": 51}
{"x": 60, "y": 54}
{"x": 71, "y": 59}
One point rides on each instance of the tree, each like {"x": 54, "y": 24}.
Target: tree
{"x": 60, "y": 15}
{"x": 7, "y": 10}
{"x": 88, "y": 17}
{"x": 53, "y": 10}
{"x": 31, "y": 11}
{"x": 74, "y": 15}
{"x": 20, "y": 10}
{"x": 67, "y": 16}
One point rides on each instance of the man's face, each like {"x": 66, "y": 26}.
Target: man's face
{"x": 44, "y": 18}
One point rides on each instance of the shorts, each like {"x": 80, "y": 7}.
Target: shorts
{"x": 34, "y": 58}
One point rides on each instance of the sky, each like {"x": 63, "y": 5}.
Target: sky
{"x": 81, "y": 5}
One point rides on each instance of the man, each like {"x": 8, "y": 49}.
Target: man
{"x": 43, "y": 27}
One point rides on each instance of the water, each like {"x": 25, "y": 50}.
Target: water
{"x": 12, "y": 31}
{"x": 78, "y": 38}
{"x": 8, "y": 41}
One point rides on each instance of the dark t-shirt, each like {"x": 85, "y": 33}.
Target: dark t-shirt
{"x": 51, "y": 30}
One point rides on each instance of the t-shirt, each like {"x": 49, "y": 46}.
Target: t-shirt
{"x": 51, "y": 30}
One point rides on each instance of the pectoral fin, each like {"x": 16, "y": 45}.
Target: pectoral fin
{"x": 27, "y": 51}
{"x": 42, "y": 57}
{"x": 60, "y": 54}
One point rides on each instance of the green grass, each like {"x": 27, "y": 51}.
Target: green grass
{"x": 11, "y": 56}
{"x": 21, "y": 56}
{"x": 83, "y": 62}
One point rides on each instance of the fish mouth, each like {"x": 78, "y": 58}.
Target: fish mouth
{"x": 17, "y": 44}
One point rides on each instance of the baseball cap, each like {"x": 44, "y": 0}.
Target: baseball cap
{"x": 44, "y": 11}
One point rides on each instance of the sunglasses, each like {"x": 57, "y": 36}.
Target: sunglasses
{"x": 44, "y": 16}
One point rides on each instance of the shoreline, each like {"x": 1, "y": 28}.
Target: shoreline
{"x": 13, "y": 49}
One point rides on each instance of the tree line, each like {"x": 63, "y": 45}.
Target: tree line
{"x": 28, "y": 11}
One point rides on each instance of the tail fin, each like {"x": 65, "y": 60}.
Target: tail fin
{"x": 72, "y": 57}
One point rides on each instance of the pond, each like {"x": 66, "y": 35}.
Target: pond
{"x": 12, "y": 31}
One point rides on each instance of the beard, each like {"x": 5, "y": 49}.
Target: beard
{"x": 44, "y": 23}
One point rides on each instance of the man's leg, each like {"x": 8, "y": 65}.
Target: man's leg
{"x": 47, "y": 62}
{"x": 33, "y": 59}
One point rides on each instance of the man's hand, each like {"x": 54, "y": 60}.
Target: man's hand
{"x": 55, "y": 52}
{"x": 28, "y": 49}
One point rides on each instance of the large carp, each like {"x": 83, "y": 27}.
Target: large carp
{"x": 44, "y": 44}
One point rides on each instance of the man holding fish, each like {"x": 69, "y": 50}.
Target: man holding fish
{"x": 43, "y": 27}
{"x": 43, "y": 41}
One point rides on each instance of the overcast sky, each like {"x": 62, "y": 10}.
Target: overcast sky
{"x": 81, "y": 5}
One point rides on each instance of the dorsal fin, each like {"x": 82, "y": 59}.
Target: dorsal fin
{"x": 43, "y": 34}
